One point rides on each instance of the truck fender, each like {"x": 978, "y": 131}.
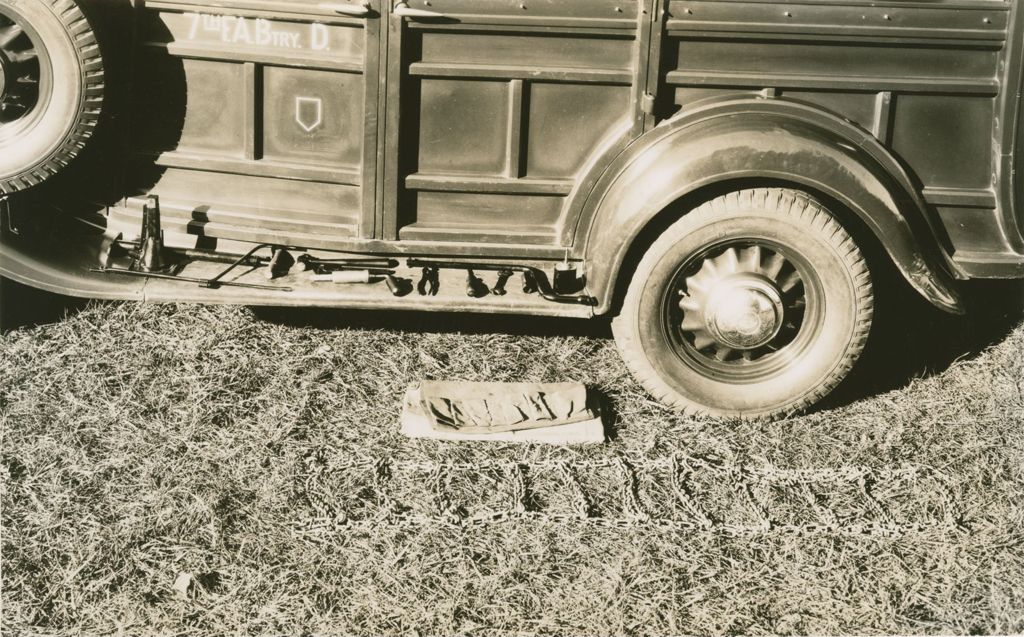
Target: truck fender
{"x": 761, "y": 139}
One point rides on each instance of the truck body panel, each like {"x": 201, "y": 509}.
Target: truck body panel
{"x": 494, "y": 128}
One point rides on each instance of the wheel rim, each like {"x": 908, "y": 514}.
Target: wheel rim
{"x": 743, "y": 310}
{"x": 24, "y": 75}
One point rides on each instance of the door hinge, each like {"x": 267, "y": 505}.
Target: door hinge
{"x": 647, "y": 103}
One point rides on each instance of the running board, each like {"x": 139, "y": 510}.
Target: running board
{"x": 63, "y": 266}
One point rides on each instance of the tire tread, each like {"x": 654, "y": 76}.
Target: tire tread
{"x": 787, "y": 203}
{"x": 90, "y": 64}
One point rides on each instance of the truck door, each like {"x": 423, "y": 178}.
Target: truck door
{"x": 496, "y": 107}
{"x": 257, "y": 119}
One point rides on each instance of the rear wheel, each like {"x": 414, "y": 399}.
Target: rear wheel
{"x": 51, "y": 89}
{"x": 757, "y": 303}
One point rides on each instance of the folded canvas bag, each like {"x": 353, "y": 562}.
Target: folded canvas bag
{"x": 482, "y": 407}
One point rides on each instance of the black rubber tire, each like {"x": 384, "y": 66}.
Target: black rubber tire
{"x": 40, "y": 145}
{"x": 833, "y": 265}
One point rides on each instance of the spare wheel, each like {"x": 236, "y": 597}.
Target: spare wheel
{"x": 51, "y": 88}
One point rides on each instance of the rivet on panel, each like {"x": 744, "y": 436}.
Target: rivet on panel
{"x": 788, "y": 14}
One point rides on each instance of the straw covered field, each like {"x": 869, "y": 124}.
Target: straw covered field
{"x": 180, "y": 469}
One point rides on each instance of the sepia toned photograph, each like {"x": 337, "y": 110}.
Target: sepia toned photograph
{"x": 511, "y": 317}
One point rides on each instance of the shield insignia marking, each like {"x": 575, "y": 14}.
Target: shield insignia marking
{"x": 309, "y": 113}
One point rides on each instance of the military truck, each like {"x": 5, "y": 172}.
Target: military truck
{"x": 714, "y": 174}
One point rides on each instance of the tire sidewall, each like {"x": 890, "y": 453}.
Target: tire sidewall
{"x": 805, "y": 373}
{"x": 33, "y": 147}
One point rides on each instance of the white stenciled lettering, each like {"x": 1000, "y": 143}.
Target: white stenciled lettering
{"x": 264, "y": 32}
{"x": 193, "y": 27}
{"x": 242, "y": 32}
{"x": 255, "y": 32}
{"x": 285, "y": 40}
{"x": 318, "y": 37}
{"x": 213, "y": 23}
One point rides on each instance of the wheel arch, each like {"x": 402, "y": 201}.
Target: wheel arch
{"x": 739, "y": 143}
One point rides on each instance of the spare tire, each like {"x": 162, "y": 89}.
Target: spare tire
{"x": 51, "y": 89}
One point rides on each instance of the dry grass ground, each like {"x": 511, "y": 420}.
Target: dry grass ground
{"x": 258, "y": 453}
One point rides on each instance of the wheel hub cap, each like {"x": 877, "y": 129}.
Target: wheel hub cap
{"x": 744, "y": 312}
{"x": 740, "y": 304}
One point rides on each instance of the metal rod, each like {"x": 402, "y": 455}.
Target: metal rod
{"x": 320, "y": 265}
{"x": 187, "y": 279}
{"x": 205, "y": 255}
{"x": 320, "y": 268}
{"x": 354, "y": 260}
{"x": 218, "y": 257}
{"x": 215, "y": 281}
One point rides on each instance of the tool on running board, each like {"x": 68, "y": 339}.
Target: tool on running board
{"x": 398, "y": 285}
{"x": 324, "y": 268}
{"x": 566, "y": 279}
{"x": 534, "y": 279}
{"x": 188, "y": 279}
{"x": 342, "y": 276}
{"x": 429, "y": 283}
{"x": 116, "y": 246}
{"x": 150, "y": 256}
{"x": 215, "y": 281}
{"x": 530, "y": 282}
{"x": 320, "y": 265}
{"x": 499, "y": 285}
{"x": 280, "y": 262}
{"x": 475, "y": 287}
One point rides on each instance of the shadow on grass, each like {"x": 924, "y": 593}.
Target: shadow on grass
{"x": 434, "y": 322}
{"x": 912, "y": 339}
{"x": 454, "y": 323}
{"x": 24, "y": 306}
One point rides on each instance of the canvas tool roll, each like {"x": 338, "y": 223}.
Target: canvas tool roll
{"x": 471, "y": 407}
